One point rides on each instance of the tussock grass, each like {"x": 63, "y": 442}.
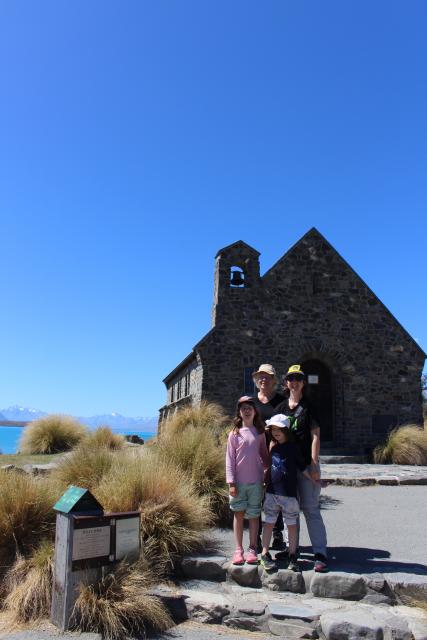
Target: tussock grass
{"x": 196, "y": 451}
{"x": 103, "y": 437}
{"x": 119, "y": 605}
{"x": 26, "y": 513}
{"x": 28, "y": 586}
{"x": 413, "y": 597}
{"x": 404, "y": 445}
{"x": 84, "y": 467}
{"x": 173, "y": 515}
{"x": 207, "y": 415}
{"x": 51, "y": 434}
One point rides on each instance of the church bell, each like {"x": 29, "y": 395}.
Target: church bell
{"x": 237, "y": 279}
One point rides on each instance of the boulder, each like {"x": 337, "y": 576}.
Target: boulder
{"x": 284, "y": 580}
{"x": 364, "y": 621}
{"x": 245, "y": 575}
{"x": 347, "y": 586}
{"x": 207, "y": 607}
{"x": 247, "y": 623}
{"x": 280, "y": 611}
{"x": 204, "y": 567}
{"x": 292, "y": 629}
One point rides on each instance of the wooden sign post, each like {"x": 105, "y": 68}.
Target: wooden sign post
{"x": 86, "y": 541}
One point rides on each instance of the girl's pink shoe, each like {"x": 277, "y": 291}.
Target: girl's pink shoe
{"x": 238, "y": 557}
{"x": 251, "y": 557}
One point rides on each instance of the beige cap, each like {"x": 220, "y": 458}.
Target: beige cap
{"x": 265, "y": 368}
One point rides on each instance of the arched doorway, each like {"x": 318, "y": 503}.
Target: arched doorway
{"x": 320, "y": 395}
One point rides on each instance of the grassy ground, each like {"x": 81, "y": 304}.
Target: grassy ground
{"x": 19, "y": 459}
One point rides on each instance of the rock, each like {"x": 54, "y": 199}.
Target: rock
{"x": 375, "y": 581}
{"x": 377, "y": 598}
{"x": 204, "y": 567}
{"x": 253, "y": 610}
{"x": 207, "y": 607}
{"x": 348, "y": 586}
{"x": 173, "y": 601}
{"x": 284, "y": 580}
{"x": 364, "y": 621}
{"x": 134, "y": 439}
{"x": 292, "y": 629}
{"x": 244, "y": 622}
{"x": 279, "y": 610}
{"x": 245, "y": 575}
{"x": 12, "y": 467}
{"x": 39, "y": 469}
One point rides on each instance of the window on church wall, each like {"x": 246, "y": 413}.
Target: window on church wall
{"x": 237, "y": 278}
{"x": 179, "y": 389}
{"x": 248, "y": 383}
{"x": 172, "y": 391}
{"x": 187, "y": 384}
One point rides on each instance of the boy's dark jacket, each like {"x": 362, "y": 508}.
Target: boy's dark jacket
{"x": 286, "y": 460}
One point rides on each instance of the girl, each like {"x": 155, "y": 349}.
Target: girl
{"x": 246, "y": 463}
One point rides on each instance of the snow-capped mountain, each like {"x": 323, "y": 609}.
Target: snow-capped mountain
{"x": 21, "y": 414}
{"x": 113, "y": 420}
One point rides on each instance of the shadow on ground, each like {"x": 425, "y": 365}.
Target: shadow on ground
{"x": 362, "y": 560}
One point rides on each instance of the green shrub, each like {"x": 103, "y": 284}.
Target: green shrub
{"x": 51, "y": 434}
{"x": 404, "y": 445}
{"x": 103, "y": 437}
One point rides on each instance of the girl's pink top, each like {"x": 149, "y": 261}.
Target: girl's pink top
{"x": 246, "y": 456}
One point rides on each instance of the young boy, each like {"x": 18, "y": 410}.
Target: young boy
{"x": 281, "y": 489}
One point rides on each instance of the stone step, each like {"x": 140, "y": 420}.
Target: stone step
{"x": 337, "y": 458}
{"x": 291, "y": 616}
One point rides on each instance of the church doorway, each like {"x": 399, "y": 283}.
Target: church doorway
{"x": 320, "y": 395}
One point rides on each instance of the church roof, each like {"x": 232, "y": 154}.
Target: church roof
{"x": 239, "y": 243}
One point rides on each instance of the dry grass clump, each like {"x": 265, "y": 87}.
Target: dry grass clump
{"x": 404, "y": 445}
{"x": 119, "y": 605}
{"x": 28, "y": 585}
{"x": 51, "y": 434}
{"x": 103, "y": 437}
{"x": 207, "y": 415}
{"x": 197, "y": 452}
{"x": 413, "y": 597}
{"x": 173, "y": 515}
{"x": 84, "y": 467}
{"x": 25, "y": 510}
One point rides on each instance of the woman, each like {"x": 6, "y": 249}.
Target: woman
{"x": 306, "y": 433}
{"x": 266, "y": 401}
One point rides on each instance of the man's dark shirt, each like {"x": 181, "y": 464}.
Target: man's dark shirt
{"x": 269, "y": 409}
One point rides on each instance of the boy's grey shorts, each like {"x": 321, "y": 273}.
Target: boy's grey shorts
{"x": 273, "y": 504}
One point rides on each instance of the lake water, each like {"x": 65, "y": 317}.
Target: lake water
{"x": 9, "y": 437}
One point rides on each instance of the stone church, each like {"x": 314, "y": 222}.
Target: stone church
{"x": 363, "y": 368}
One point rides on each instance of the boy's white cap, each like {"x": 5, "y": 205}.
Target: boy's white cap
{"x": 279, "y": 420}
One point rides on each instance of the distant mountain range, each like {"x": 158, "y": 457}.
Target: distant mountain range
{"x": 113, "y": 420}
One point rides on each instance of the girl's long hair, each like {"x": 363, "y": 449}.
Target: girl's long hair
{"x": 258, "y": 421}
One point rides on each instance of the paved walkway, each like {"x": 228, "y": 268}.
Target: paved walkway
{"x": 369, "y": 474}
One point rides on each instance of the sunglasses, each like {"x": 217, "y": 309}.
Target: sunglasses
{"x": 295, "y": 378}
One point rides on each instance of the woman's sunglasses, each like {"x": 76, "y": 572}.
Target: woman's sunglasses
{"x": 293, "y": 378}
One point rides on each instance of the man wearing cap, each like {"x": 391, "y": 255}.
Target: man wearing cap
{"x": 266, "y": 401}
{"x": 306, "y": 434}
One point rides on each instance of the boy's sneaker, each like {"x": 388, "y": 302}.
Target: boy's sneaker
{"x": 278, "y": 543}
{"x": 238, "y": 557}
{"x": 293, "y": 564}
{"x": 320, "y": 564}
{"x": 282, "y": 555}
{"x": 251, "y": 557}
{"x": 267, "y": 562}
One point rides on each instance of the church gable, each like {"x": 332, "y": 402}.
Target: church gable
{"x": 313, "y": 276}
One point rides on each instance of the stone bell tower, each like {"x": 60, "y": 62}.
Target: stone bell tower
{"x": 236, "y": 281}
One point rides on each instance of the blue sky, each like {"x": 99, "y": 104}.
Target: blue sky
{"x": 138, "y": 138}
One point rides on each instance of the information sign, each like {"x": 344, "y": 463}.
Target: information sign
{"x": 127, "y": 538}
{"x": 312, "y": 379}
{"x": 93, "y": 542}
